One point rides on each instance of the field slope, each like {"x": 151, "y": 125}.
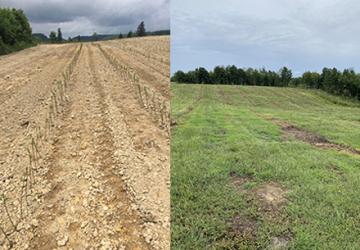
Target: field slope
{"x": 264, "y": 168}
{"x": 84, "y": 141}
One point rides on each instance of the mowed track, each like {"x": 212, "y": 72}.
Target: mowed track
{"x": 100, "y": 168}
{"x": 264, "y": 168}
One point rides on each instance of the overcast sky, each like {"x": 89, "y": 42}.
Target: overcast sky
{"x": 301, "y": 34}
{"x": 84, "y": 17}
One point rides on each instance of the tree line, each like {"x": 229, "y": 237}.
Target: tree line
{"x": 15, "y": 31}
{"x": 56, "y": 37}
{"x": 140, "y": 31}
{"x": 332, "y": 80}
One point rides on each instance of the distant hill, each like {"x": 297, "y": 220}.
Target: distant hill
{"x": 103, "y": 37}
{"x": 158, "y": 33}
{"x": 39, "y": 37}
{"x": 98, "y": 37}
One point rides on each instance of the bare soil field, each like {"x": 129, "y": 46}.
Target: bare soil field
{"x": 84, "y": 158}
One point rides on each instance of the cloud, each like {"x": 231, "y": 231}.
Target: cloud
{"x": 81, "y": 16}
{"x": 301, "y": 34}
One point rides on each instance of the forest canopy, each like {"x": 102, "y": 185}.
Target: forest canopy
{"x": 15, "y": 31}
{"x": 332, "y": 80}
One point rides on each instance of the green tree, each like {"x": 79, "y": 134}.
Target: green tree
{"x": 202, "y": 75}
{"x": 232, "y": 75}
{"x": 219, "y": 75}
{"x": 141, "y": 29}
{"x": 130, "y": 34}
{"x": 180, "y": 77}
{"x": 120, "y": 36}
{"x": 53, "y": 37}
{"x": 242, "y": 76}
{"x": 8, "y": 26}
{"x": 330, "y": 79}
{"x": 346, "y": 83}
{"x": 285, "y": 76}
{"x": 15, "y": 31}
{"x": 59, "y": 36}
{"x": 94, "y": 36}
{"x": 311, "y": 79}
{"x": 24, "y": 30}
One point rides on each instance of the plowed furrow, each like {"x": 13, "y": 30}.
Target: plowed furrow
{"x": 88, "y": 206}
{"x": 148, "y": 176}
{"x": 152, "y": 75}
{"x": 15, "y": 82}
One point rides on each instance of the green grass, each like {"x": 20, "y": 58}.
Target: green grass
{"x": 7, "y": 49}
{"x": 226, "y": 132}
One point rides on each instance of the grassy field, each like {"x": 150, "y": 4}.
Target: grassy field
{"x": 239, "y": 183}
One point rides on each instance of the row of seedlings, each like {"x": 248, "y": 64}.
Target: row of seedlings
{"x": 37, "y": 138}
{"x": 148, "y": 98}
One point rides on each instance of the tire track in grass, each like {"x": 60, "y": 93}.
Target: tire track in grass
{"x": 289, "y": 130}
{"x": 189, "y": 108}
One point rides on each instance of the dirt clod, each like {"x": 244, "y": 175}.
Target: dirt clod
{"x": 24, "y": 124}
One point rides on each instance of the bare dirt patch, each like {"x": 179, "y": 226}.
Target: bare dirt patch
{"x": 239, "y": 181}
{"x": 272, "y": 198}
{"x": 290, "y": 131}
{"x": 302, "y": 135}
{"x": 269, "y": 197}
{"x": 281, "y": 242}
{"x": 244, "y": 227}
{"x": 269, "y": 200}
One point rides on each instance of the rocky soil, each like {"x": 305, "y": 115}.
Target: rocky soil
{"x": 84, "y": 158}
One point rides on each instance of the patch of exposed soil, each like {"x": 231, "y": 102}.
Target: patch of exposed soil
{"x": 281, "y": 242}
{"x": 239, "y": 181}
{"x": 290, "y": 130}
{"x": 269, "y": 198}
{"x": 302, "y": 135}
{"x": 244, "y": 227}
{"x": 272, "y": 198}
